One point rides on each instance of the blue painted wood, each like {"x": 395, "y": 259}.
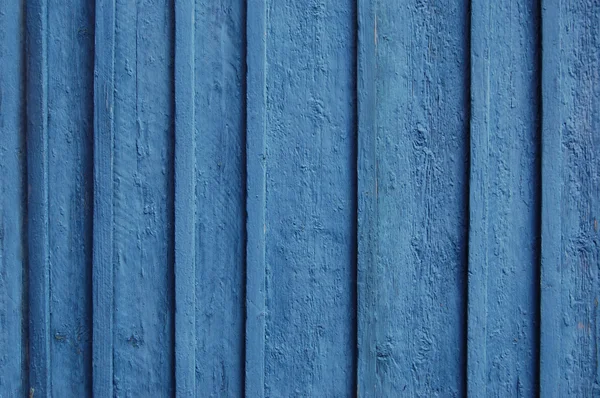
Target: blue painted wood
{"x": 306, "y": 115}
{"x": 413, "y": 157}
{"x": 219, "y": 80}
{"x": 504, "y": 203}
{"x": 367, "y": 282}
{"x": 274, "y": 198}
{"x": 256, "y": 169}
{"x": 13, "y": 194}
{"x": 185, "y": 209}
{"x": 37, "y": 198}
{"x": 70, "y": 178}
{"x": 570, "y": 198}
{"x": 103, "y": 217}
{"x": 143, "y": 198}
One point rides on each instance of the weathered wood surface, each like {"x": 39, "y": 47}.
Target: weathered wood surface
{"x": 299, "y": 198}
{"x": 142, "y": 199}
{"x": 256, "y": 97}
{"x": 504, "y": 210}
{"x": 103, "y": 247}
{"x": 220, "y": 178}
{"x": 184, "y": 201}
{"x": 302, "y": 238}
{"x": 38, "y": 228}
{"x": 13, "y": 205}
{"x": 413, "y": 197}
{"x": 70, "y": 193}
{"x": 570, "y": 199}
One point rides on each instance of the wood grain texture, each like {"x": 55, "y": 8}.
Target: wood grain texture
{"x": 256, "y": 190}
{"x": 310, "y": 198}
{"x": 299, "y": 198}
{"x": 103, "y": 213}
{"x": 219, "y": 106}
{"x": 413, "y": 158}
{"x": 37, "y": 198}
{"x": 503, "y": 311}
{"x": 185, "y": 204}
{"x": 70, "y": 171}
{"x": 570, "y": 198}
{"x": 13, "y": 194}
{"x": 367, "y": 372}
{"x": 143, "y": 198}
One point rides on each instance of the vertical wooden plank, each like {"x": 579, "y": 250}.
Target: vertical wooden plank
{"x": 552, "y": 366}
{"x": 570, "y": 198}
{"x": 37, "y": 206}
{"x": 103, "y": 261}
{"x": 143, "y": 198}
{"x": 219, "y": 73}
{"x": 256, "y": 169}
{"x": 185, "y": 206}
{"x": 366, "y": 199}
{"x": 70, "y": 178}
{"x": 503, "y": 309}
{"x": 13, "y": 250}
{"x": 301, "y": 143}
{"x": 413, "y": 157}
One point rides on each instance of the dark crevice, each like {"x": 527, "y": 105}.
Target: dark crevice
{"x": 171, "y": 260}
{"x": 467, "y": 200}
{"x": 89, "y": 200}
{"x": 355, "y": 192}
{"x": 537, "y": 18}
{"x": 244, "y": 190}
{"x": 25, "y": 202}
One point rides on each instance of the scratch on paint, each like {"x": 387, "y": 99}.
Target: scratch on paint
{"x": 375, "y": 36}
